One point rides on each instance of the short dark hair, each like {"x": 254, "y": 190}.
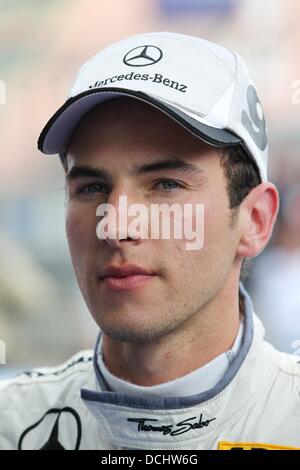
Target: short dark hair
{"x": 242, "y": 175}
{"x": 63, "y": 159}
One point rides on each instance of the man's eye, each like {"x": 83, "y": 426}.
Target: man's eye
{"x": 167, "y": 185}
{"x": 92, "y": 188}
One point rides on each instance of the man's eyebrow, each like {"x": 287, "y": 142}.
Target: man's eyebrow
{"x": 81, "y": 171}
{"x": 174, "y": 164}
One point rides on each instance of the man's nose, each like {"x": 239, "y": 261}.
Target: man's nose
{"x": 116, "y": 224}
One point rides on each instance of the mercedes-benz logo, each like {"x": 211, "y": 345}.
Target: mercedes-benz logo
{"x": 36, "y": 434}
{"x": 142, "y": 56}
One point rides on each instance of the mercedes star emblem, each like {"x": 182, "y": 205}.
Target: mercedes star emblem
{"x": 142, "y": 56}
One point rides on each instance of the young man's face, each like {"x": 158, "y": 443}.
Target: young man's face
{"x": 119, "y": 138}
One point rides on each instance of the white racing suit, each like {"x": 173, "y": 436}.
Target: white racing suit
{"x": 255, "y": 405}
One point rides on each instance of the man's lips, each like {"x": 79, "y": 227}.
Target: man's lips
{"x": 126, "y": 270}
{"x": 126, "y": 277}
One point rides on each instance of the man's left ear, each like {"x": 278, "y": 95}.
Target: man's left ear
{"x": 257, "y": 216}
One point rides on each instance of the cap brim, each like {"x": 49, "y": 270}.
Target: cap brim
{"x": 58, "y": 130}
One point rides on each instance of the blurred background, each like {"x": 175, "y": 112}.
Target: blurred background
{"x": 43, "y": 319}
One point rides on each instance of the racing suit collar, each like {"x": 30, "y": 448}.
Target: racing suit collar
{"x": 177, "y": 422}
{"x": 200, "y": 380}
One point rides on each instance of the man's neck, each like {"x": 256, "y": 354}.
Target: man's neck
{"x": 204, "y": 336}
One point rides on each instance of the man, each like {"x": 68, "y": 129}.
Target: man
{"x": 162, "y": 119}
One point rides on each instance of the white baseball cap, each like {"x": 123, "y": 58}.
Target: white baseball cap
{"x": 204, "y": 87}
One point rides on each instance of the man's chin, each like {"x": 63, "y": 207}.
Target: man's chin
{"x": 133, "y": 335}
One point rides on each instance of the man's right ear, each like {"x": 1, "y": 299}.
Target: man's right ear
{"x": 257, "y": 217}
